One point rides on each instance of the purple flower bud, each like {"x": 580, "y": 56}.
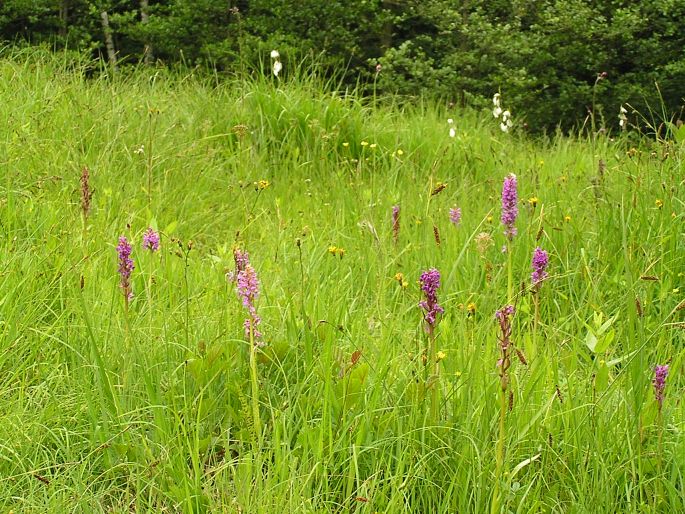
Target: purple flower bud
{"x": 241, "y": 259}
{"x": 455, "y": 216}
{"x": 659, "y": 383}
{"x": 248, "y": 291}
{"x": 395, "y": 223}
{"x": 430, "y": 282}
{"x": 539, "y": 265}
{"x": 151, "y": 240}
{"x": 126, "y": 267}
{"x": 509, "y": 206}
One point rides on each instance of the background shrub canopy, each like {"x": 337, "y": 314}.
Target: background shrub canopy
{"x": 543, "y": 55}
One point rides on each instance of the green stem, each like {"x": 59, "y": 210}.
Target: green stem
{"x": 255, "y": 388}
{"x": 434, "y": 379}
{"x": 510, "y": 274}
{"x": 499, "y": 454}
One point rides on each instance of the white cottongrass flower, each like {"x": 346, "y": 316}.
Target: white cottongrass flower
{"x": 622, "y": 118}
{"x": 506, "y": 122}
{"x": 275, "y": 54}
{"x": 277, "y": 67}
{"x": 498, "y": 108}
{"x": 453, "y": 132}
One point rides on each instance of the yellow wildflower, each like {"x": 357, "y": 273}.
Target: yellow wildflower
{"x": 659, "y": 203}
{"x": 533, "y": 200}
{"x": 346, "y": 144}
{"x": 440, "y": 356}
{"x": 400, "y": 280}
{"x": 471, "y": 309}
{"x": 373, "y": 145}
{"x": 400, "y": 152}
{"x": 365, "y": 143}
{"x": 262, "y": 185}
{"x": 567, "y": 218}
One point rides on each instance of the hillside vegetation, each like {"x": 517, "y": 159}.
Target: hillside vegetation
{"x": 129, "y": 383}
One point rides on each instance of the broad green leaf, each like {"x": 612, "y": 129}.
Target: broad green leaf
{"x": 602, "y": 377}
{"x": 591, "y": 341}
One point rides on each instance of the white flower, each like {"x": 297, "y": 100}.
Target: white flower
{"x": 450, "y": 121}
{"x": 622, "y": 118}
{"x": 275, "y": 54}
{"x": 495, "y": 100}
{"x": 277, "y": 67}
{"x": 497, "y": 111}
{"x": 506, "y": 122}
{"x": 452, "y": 132}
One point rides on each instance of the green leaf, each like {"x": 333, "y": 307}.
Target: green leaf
{"x": 605, "y": 341}
{"x": 602, "y": 377}
{"x": 591, "y": 340}
{"x": 170, "y": 227}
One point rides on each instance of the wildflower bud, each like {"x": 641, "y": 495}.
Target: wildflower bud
{"x": 509, "y": 206}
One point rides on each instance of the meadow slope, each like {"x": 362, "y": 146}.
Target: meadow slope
{"x": 355, "y": 403}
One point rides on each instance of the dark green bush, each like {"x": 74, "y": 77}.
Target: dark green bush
{"x": 544, "y": 56}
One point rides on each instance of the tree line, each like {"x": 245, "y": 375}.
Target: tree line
{"x": 555, "y": 62}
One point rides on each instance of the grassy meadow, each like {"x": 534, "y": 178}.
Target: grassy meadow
{"x": 354, "y": 403}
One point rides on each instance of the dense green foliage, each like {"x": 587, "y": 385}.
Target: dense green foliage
{"x": 151, "y": 407}
{"x": 544, "y": 56}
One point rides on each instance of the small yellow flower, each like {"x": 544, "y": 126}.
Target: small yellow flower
{"x": 632, "y": 152}
{"x": 489, "y": 219}
{"x": 659, "y": 203}
{"x": 567, "y": 218}
{"x": 533, "y": 200}
{"x": 365, "y": 143}
{"x": 440, "y": 356}
{"x": 400, "y": 280}
{"x": 471, "y": 309}
{"x": 373, "y": 145}
{"x": 346, "y": 144}
{"x": 262, "y": 185}
{"x": 336, "y": 251}
{"x": 676, "y": 290}
{"x": 541, "y": 162}
{"x": 457, "y": 374}
{"x": 400, "y": 152}
{"x": 602, "y": 362}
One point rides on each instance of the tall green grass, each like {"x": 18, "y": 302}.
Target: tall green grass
{"x": 105, "y": 410}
